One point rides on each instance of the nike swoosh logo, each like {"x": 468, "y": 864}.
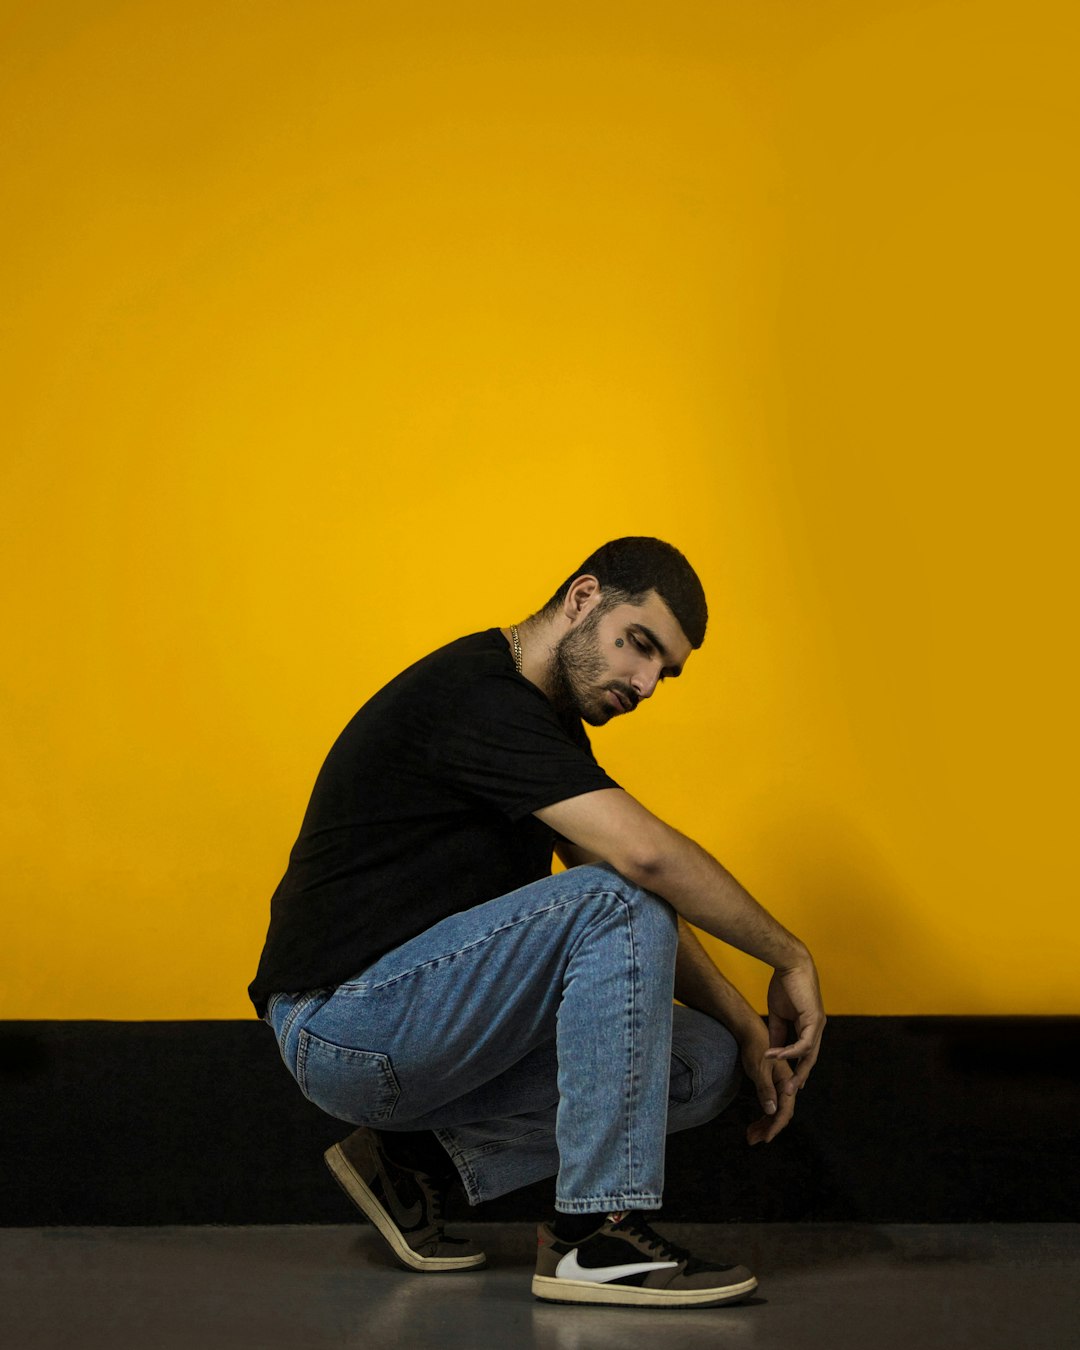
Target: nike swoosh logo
{"x": 404, "y": 1218}
{"x": 569, "y": 1269}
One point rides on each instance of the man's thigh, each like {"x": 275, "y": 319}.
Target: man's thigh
{"x": 463, "y": 1003}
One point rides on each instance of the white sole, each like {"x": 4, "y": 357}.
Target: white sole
{"x": 554, "y": 1290}
{"x": 358, "y": 1191}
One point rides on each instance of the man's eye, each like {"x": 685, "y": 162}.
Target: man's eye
{"x": 638, "y": 643}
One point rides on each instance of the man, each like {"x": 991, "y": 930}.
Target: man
{"x": 482, "y": 1020}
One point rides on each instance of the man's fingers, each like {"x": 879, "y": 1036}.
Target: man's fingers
{"x": 802, "y": 1073}
{"x": 766, "y": 1090}
{"x": 805, "y": 1050}
{"x": 807, "y": 1044}
{"x": 766, "y": 1129}
{"x": 780, "y": 1120}
{"x": 794, "y": 994}
{"x": 802, "y": 1046}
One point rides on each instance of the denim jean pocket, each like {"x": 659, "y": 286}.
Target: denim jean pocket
{"x": 354, "y": 1085}
{"x": 685, "y": 1078}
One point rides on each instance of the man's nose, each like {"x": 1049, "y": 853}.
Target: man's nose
{"x": 644, "y": 682}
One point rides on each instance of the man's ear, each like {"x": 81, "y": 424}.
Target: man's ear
{"x": 582, "y": 596}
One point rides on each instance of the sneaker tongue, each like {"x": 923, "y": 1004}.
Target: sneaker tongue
{"x": 634, "y": 1222}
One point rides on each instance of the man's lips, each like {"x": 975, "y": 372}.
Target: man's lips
{"x": 621, "y": 702}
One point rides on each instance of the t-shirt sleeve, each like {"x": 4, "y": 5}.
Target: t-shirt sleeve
{"x": 501, "y": 743}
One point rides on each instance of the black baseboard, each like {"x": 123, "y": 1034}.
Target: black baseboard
{"x": 920, "y": 1120}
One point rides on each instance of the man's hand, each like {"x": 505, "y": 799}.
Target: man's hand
{"x": 768, "y": 1077}
{"x": 794, "y": 999}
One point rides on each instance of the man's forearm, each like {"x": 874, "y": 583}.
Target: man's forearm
{"x": 647, "y": 851}
{"x": 705, "y": 893}
{"x": 699, "y": 984}
{"x": 611, "y": 824}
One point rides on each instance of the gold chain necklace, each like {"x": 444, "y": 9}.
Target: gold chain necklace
{"x": 517, "y": 647}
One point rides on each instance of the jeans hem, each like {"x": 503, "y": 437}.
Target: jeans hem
{"x": 457, "y": 1157}
{"x": 607, "y": 1203}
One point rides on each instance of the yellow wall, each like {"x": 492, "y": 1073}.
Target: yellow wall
{"x": 333, "y": 330}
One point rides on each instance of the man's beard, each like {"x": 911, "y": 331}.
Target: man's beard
{"x": 576, "y": 668}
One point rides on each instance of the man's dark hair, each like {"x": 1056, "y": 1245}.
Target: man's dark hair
{"x": 628, "y": 569}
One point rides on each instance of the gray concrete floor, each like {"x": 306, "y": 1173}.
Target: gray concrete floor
{"x": 822, "y": 1287}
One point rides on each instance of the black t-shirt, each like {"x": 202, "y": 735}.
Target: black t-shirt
{"x": 422, "y": 809}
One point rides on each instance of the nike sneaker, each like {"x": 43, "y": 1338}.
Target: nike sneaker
{"x": 404, "y": 1204}
{"x": 625, "y": 1263}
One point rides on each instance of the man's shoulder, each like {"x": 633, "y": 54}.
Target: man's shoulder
{"x": 467, "y": 685}
{"x": 445, "y": 676}
{"x": 484, "y": 690}
{"x": 485, "y": 648}
{"x": 460, "y": 663}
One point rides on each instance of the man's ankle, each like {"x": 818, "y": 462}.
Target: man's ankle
{"x": 575, "y": 1227}
{"x": 418, "y": 1150}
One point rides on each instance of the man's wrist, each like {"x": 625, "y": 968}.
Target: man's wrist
{"x": 750, "y": 1031}
{"x": 796, "y": 953}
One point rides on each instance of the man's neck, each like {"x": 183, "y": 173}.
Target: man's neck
{"x": 537, "y": 638}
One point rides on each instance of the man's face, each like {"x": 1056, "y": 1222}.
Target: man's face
{"x": 611, "y": 659}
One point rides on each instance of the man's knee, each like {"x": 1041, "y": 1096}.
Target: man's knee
{"x": 645, "y": 907}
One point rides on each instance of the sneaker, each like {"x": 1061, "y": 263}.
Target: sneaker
{"x": 624, "y": 1262}
{"x": 403, "y": 1203}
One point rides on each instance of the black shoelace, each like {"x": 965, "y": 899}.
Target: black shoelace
{"x": 669, "y": 1251}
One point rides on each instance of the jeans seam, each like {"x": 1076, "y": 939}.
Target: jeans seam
{"x": 632, "y": 986}
{"x": 497, "y": 1145}
{"x": 300, "y": 1006}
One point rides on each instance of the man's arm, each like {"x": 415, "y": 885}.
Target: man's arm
{"x": 611, "y": 824}
{"x": 570, "y": 855}
{"x": 699, "y": 984}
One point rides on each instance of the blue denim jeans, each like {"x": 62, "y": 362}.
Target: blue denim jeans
{"x": 535, "y": 1034}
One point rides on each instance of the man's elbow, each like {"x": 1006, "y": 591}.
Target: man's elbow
{"x": 638, "y": 845}
{"x": 657, "y": 857}
{"x": 645, "y": 862}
